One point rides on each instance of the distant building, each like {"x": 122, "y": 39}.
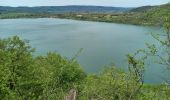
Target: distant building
{"x": 79, "y": 15}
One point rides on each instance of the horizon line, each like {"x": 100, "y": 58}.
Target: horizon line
{"x": 85, "y": 5}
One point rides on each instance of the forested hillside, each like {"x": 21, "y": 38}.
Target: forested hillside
{"x": 155, "y": 15}
{"x": 147, "y": 15}
{"x": 63, "y": 9}
{"x": 142, "y": 9}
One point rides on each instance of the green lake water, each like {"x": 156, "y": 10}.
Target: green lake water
{"x": 103, "y": 44}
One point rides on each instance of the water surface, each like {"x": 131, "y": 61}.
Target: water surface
{"x": 103, "y": 43}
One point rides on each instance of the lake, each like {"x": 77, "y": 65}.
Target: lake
{"x": 103, "y": 44}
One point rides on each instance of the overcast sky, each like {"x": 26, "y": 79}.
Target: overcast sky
{"x": 117, "y": 3}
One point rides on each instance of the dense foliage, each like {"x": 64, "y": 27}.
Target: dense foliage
{"x": 23, "y": 76}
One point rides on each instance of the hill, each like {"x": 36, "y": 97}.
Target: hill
{"x": 155, "y": 14}
{"x": 63, "y": 9}
{"x": 142, "y": 9}
{"x": 146, "y": 15}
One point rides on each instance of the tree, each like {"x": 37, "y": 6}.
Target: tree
{"x": 16, "y": 60}
{"x": 57, "y": 74}
{"x": 24, "y": 76}
{"x": 161, "y": 50}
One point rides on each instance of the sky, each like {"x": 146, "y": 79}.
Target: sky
{"x": 115, "y": 3}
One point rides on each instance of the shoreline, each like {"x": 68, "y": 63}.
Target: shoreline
{"x": 86, "y": 17}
